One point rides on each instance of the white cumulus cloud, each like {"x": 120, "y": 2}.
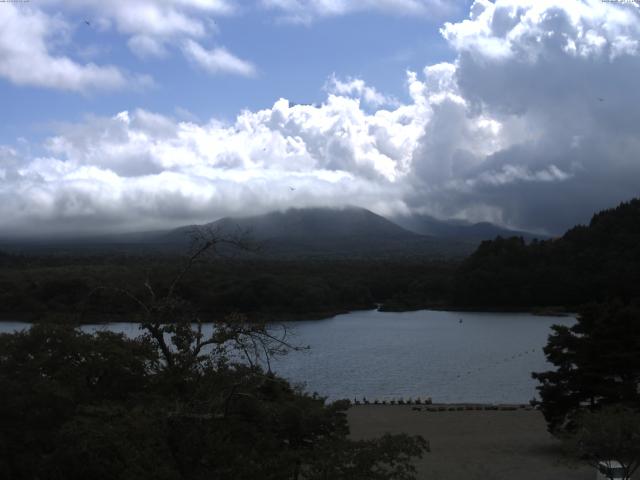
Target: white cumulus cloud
{"x": 27, "y": 57}
{"x": 531, "y": 125}
{"x": 217, "y": 60}
{"x": 153, "y": 27}
{"x": 358, "y": 88}
{"x": 36, "y": 50}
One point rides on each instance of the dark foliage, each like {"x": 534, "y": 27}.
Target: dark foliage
{"x": 78, "y": 406}
{"x": 597, "y": 363}
{"x": 35, "y": 286}
{"x": 597, "y": 262}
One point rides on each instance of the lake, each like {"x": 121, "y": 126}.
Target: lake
{"x": 448, "y": 356}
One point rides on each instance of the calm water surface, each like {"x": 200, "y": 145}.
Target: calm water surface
{"x": 449, "y": 356}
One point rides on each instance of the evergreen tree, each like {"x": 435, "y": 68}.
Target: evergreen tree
{"x": 597, "y": 363}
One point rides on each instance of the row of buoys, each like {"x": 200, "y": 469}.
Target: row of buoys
{"x": 393, "y": 401}
{"x": 500, "y": 362}
{"x": 430, "y": 407}
{"x": 460, "y": 408}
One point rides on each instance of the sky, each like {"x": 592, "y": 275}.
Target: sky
{"x": 135, "y": 115}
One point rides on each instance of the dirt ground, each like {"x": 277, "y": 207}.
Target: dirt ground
{"x": 470, "y": 445}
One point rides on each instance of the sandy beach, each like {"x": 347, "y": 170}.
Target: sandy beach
{"x": 487, "y": 445}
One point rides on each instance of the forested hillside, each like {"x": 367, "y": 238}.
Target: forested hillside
{"x": 590, "y": 263}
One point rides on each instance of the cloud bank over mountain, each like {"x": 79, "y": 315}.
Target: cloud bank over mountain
{"x": 532, "y": 126}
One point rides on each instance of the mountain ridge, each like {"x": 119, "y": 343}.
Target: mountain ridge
{"x": 347, "y": 231}
{"x": 459, "y": 229}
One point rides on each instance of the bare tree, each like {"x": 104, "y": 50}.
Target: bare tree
{"x": 176, "y": 328}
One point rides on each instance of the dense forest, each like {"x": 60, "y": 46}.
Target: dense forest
{"x": 50, "y": 287}
{"x": 593, "y": 263}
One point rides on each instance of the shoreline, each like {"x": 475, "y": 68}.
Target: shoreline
{"x": 449, "y": 406}
{"x": 537, "y": 311}
{"x": 107, "y": 318}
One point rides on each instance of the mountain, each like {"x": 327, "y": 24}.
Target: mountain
{"x": 313, "y": 224}
{"x": 298, "y": 232}
{"x": 459, "y": 229}
{"x": 336, "y": 232}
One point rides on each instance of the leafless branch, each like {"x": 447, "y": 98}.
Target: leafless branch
{"x": 169, "y": 321}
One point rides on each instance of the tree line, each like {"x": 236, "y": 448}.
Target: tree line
{"x": 40, "y": 287}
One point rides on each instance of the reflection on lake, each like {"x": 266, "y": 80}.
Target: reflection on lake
{"x": 449, "y": 356}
